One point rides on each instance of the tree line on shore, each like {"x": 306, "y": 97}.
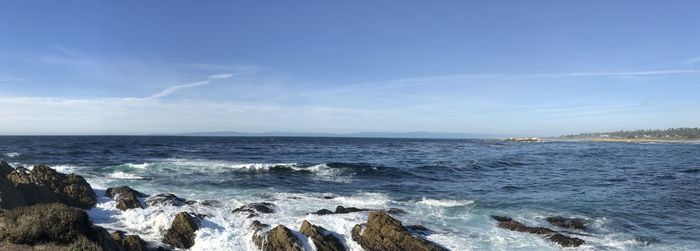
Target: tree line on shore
{"x": 683, "y": 133}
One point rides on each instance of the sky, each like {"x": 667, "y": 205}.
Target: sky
{"x": 501, "y": 67}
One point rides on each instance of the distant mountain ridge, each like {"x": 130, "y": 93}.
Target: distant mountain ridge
{"x": 427, "y": 135}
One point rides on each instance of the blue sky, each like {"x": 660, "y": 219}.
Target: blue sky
{"x": 502, "y": 67}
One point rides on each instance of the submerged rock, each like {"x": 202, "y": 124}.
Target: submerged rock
{"x": 322, "y": 238}
{"x": 129, "y": 242}
{"x": 573, "y": 223}
{"x": 396, "y": 211}
{"x": 256, "y": 225}
{"x": 53, "y": 225}
{"x": 167, "y": 199}
{"x": 341, "y": 210}
{"x": 324, "y": 212}
{"x": 126, "y": 197}
{"x": 566, "y": 241}
{"x": 254, "y": 208}
{"x": 418, "y": 228}
{"x": 279, "y": 238}
{"x": 554, "y": 236}
{"x": 181, "y": 233}
{"x": 514, "y": 225}
{"x": 345, "y": 210}
{"x": 382, "y": 232}
{"x": 44, "y": 185}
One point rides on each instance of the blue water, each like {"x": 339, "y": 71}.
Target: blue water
{"x": 634, "y": 196}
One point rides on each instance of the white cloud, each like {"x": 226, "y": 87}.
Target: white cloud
{"x": 222, "y": 76}
{"x": 36, "y": 115}
{"x": 171, "y": 89}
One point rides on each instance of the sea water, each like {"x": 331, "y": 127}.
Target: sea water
{"x": 632, "y": 196}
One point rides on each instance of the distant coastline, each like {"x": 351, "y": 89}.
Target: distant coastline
{"x": 689, "y": 135}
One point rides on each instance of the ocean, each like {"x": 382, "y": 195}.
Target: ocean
{"x": 632, "y": 196}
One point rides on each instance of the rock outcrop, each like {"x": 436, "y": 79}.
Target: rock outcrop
{"x": 126, "y": 197}
{"x": 341, "y": 210}
{"x": 167, "y": 199}
{"x": 572, "y": 223}
{"x": 279, "y": 238}
{"x": 22, "y": 187}
{"x": 10, "y": 196}
{"x": 566, "y": 241}
{"x": 253, "y": 209}
{"x": 181, "y": 233}
{"x": 56, "y": 226}
{"x": 129, "y": 242}
{"x": 382, "y": 232}
{"x": 513, "y": 225}
{"x": 554, "y": 236}
{"x": 322, "y": 238}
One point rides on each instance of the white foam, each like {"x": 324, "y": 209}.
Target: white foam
{"x": 13, "y": 154}
{"x": 125, "y": 176}
{"x": 444, "y": 203}
{"x": 66, "y": 168}
{"x": 260, "y": 166}
{"x": 139, "y": 166}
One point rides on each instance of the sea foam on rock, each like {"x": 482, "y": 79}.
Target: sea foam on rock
{"x": 126, "y": 197}
{"x": 167, "y": 199}
{"x": 323, "y": 239}
{"x": 278, "y": 238}
{"x": 254, "y": 208}
{"x": 513, "y": 225}
{"x": 383, "y": 233}
{"x": 181, "y": 233}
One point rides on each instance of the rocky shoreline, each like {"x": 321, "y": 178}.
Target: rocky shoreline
{"x": 31, "y": 198}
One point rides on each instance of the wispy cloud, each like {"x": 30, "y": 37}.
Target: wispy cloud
{"x": 222, "y": 76}
{"x": 172, "y": 89}
{"x": 175, "y": 88}
{"x": 489, "y": 78}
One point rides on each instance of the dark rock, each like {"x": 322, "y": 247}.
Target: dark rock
{"x": 279, "y": 238}
{"x": 328, "y": 197}
{"x": 382, "y": 232}
{"x": 341, "y": 210}
{"x": 501, "y": 218}
{"x": 167, "y": 199}
{"x": 104, "y": 239}
{"x": 129, "y": 242}
{"x": 566, "y": 241}
{"x": 46, "y": 225}
{"x": 418, "y": 228}
{"x": 396, "y": 211}
{"x": 5, "y": 168}
{"x": 256, "y": 225}
{"x": 324, "y": 212}
{"x": 44, "y": 185}
{"x": 513, "y": 225}
{"x": 210, "y": 203}
{"x": 126, "y": 197}
{"x": 254, "y": 208}
{"x": 345, "y": 210}
{"x": 181, "y": 233}
{"x": 322, "y": 238}
{"x": 10, "y": 196}
{"x": 573, "y": 223}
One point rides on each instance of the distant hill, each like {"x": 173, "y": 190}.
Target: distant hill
{"x": 413, "y": 135}
{"x": 664, "y": 134}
